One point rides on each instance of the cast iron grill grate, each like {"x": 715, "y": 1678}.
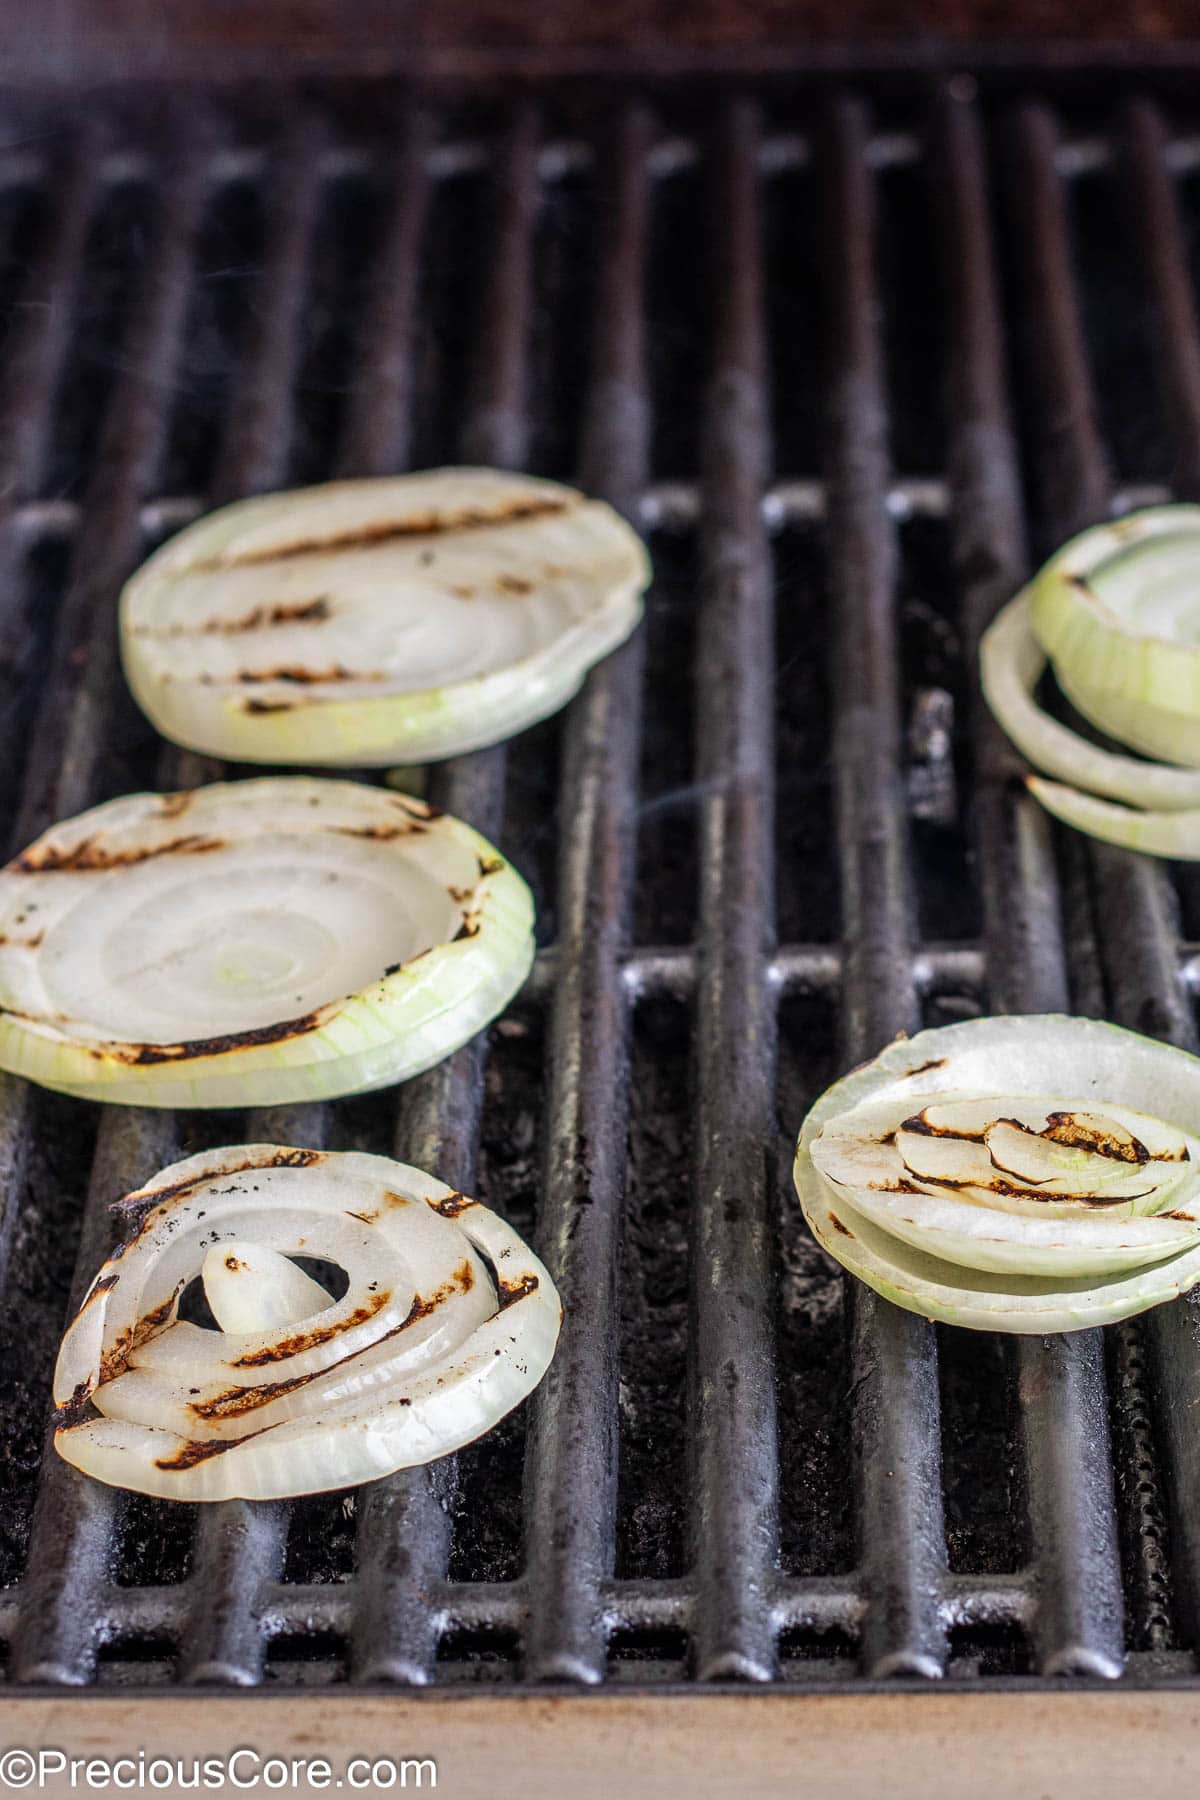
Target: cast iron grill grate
{"x": 773, "y": 831}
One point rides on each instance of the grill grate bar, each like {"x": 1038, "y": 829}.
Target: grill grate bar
{"x": 894, "y": 1363}
{"x": 572, "y": 1464}
{"x": 75, "y": 1521}
{"x": 735, "y": 1506}
{"x": 376, "y": 438}
{"x": 403, "y": 1540}
{"x": 1144, "y": 979}
{"x": 254, "y": 456}
{"x": 1177, "y": 337}
{"x": 1062, "y": 1384}
{"x": 240, "y": 1544}
{"x": 38, "y": 347}
{"x": 1060, "y": 1381}
{"x": 668, "y": 506}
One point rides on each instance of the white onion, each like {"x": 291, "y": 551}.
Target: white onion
{"x": 369, "y": 623}
{"x": 1011, "y": 664}
{"x": 1174, "y": 834}
{"x": 1117, "y": 610}
{"x": 1013, "y": 1174}
{"x": 1117, "y": 613}
{"x": 448, "y": 1322}
{"x": 252, "y": 943}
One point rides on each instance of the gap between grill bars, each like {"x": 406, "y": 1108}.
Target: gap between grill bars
{"x": 711, "y": 327}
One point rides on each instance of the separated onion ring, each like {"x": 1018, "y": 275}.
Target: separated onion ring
{"x": 1117, "y": 613}
{"x": 448, "y": 1322}
{"x": 253, "y": 943}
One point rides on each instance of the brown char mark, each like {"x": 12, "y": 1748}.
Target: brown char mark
{"x": 1069, "y": 1129}
{"x": 451, "y": 1205}
{"x": 143, "y": 1055}
{"x": 300, "y": 675}
{"x": 146, "y": 1200}
{"x": 509, "y": 1292}
{"x": 366, "y": 537}
{"x": 90, "y": 856}
{"x": 189, "y": 1454}
{"x": 299, "y": 1341}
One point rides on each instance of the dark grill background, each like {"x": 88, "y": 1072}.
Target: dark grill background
{"x": 769, "y": 327}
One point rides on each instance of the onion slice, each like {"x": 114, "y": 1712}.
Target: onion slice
{"x": 1173, "y": 834}
{"x": 369, "y": 623}
{"x": 1117, "y": 610}
{"x": 252, "y": 943}
{"x": 448, "y": 1322}
{"x": 1015, "y": 1174}
{"x": 1011, "y": 665}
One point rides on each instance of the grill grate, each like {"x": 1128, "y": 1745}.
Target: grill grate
{"x": 782, "y": 304}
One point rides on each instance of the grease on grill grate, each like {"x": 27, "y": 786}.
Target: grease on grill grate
{"x": 417, "y": 288}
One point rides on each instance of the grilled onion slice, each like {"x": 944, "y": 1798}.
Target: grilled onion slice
{"x": 369, "y": 623}
{"x": 1117, "y": 613}
{"x": 253, "y": 942}
{"x": 448, "y": 1322}
{"x": 1014, "y": 1174}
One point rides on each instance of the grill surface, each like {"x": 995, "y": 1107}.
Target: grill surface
{"x": 768, "y": 326}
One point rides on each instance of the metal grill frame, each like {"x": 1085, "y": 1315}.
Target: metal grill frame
{"x": 901, "y": 1603}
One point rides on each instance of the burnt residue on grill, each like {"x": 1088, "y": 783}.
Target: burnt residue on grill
{"x": 817, "y": 1536}
{"x": 488, "y": 1500}
{"x": 652, "y": 1465}
{"x": 44, "y": 1230}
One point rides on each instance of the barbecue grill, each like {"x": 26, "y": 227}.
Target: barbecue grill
{"x": 850, "y": 352}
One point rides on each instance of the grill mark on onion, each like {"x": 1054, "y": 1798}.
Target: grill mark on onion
{"x": 172, "y": 805}
{"x": 451, "y": 1205}
{"x": 366, "y": 537}
{"x": 148, "y": 1199}
{"x": 381, "y": 834}
{"x": 189, "y": 1454}
{"x": 101, "y": 1285}
{"x": 1009, "y": 1191}
{"x": 140, "y": 1055}
{"x": 1067, "y": 1128}
{"x": 236, "y": 1402}
{"x": 90, "y": 856}
{"x": 75, "y": 1411}
{"x": 302, "y": 676}
{"x": 309, "y": 1340}
{"x": 509, "y": 1292}
{"x": 838, "y": 1226}
{"x": 920, "y": 1124}
{"x": 936, "y": 1062}
{"x": 260, "y": 618}
{"x": 132, "y": 1338}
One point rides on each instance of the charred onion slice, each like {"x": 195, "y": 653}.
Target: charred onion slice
{"x": 253, "y": 942}
{"x": 448, "y": 1322}
{"x": 1117, "y": 613}
{"x": 1014, "y": 1174}
{"x": 369, "y": 623}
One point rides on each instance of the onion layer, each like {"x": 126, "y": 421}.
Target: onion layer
{"x": 369, "y": 623}
{"x": 448, "y": 1322}
{"x": 1014, "y": 1174}
{"x": 253, "y": 942}
{"x": 1116, "y": 612}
